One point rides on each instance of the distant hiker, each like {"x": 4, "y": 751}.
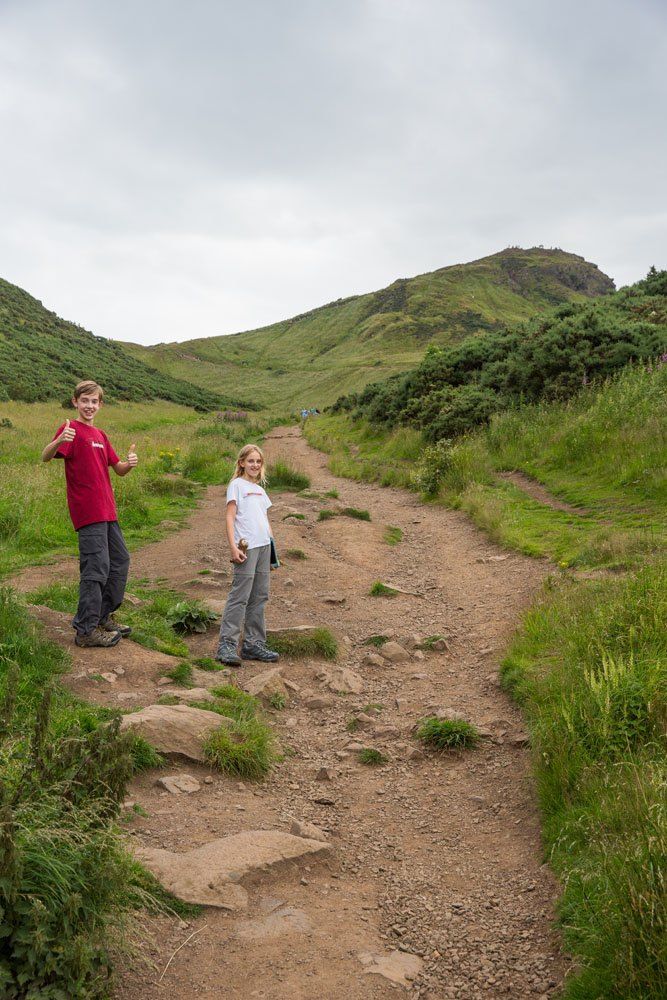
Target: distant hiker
{"x": 103, "y": 558}
{"x": 253, "y": 552}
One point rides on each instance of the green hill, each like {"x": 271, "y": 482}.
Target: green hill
{"x": 43, "y": 357}
{"x": 311, "y": 359}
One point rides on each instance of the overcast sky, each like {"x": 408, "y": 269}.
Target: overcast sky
{"x": 171, "y": 170}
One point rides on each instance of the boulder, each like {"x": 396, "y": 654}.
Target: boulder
{"x": 394, "y": 652}
{"x": 342, "y": 680}
{"x": 211, "y": 875}
{"x": 176, "y": 729}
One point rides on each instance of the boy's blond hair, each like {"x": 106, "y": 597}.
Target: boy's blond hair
{"x": 86, "y": 387}
{"x": 244, "y": 452}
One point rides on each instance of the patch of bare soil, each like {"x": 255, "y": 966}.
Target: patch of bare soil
{"x": 435, "y": 885}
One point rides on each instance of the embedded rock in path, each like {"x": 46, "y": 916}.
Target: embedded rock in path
{"x": 177, "y": 783}
{"x": 208, "y": 678}
{"x": 210, "y": 875}
{"x": 286, "y": 920}
{"x": 176, "y": 729}
{"x": 300, "y": 828}
{"x": 185, "y": 695}
{"x": 398, "y": 966}
{"x": 393, "y": 652}
{"x": 342, "y": 680}
{"x": 266, "y": 684}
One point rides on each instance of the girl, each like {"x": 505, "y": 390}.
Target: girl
{"x": 246, "y": 521}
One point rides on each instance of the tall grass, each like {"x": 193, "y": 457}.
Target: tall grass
{"x": 590, "y": 668}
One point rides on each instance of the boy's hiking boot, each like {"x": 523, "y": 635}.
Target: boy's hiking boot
{"x": 98, "y": 638}
{"x": 227, "y": 654}
{"x": 258, "y": 651}
{"x": 111, "y": 625}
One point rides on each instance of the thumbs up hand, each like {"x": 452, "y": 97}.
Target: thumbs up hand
{"x": 67, "y": 434}
{"x": 132, "y": 456}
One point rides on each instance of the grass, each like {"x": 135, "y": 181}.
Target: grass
{"x": 380, "y": 589}
{"x": 392, "y": 535}
{"x": 155, "y": 624}
{"x": 589, "y": 667}
{"x": 181, "y": 674}
{"x": 277, "y": 701}
{"x": 294, "y": 516}
{"x": 429, "y": 642}
{"x": 245, "y": 750}
{"x": 296, "y": 554}
{"x": 207, "y": 663}
{"x": 326, "y": 515}
{"x": 360, "y": 515}
{"x": 447, "y": 734}
{"x": 318, "y": 642}
{"x": 376, "y": 640}
{"x": 371, "y": 757}
{"x": 281, "y": 475}
{"x": 144, "y": 756}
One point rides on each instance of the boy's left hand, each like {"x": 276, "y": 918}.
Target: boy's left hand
{"x": 132, "y": 458}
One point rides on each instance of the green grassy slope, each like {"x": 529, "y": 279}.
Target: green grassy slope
{"x": 43, "y": 357}
{"x": 342, "y": 346}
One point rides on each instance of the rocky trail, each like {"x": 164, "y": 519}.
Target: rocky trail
{"x": 332, "y": 879}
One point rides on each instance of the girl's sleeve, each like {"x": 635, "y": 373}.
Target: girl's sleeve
{"x": 234, "y": 491}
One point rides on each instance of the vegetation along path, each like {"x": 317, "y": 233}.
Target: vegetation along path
{"x": 433, "y": 882}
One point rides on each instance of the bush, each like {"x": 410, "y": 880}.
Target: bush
{"x": 434, "y": 464}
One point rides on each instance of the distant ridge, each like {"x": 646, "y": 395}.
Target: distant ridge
{"x": 43, "y": 357}
{"x": 314, "y": 357}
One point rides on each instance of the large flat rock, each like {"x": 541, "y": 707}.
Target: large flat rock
{"x": 210, "y": 875}
{"x": 175, "y": 729}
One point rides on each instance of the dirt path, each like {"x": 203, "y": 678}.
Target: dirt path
{"x": 434, "y": 857}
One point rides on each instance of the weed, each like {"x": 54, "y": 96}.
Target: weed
{"x": 392, "y": 535}
{"x": 379, "y": 589}
{"x": 318, "y": 642}
{"x": 245, "y": 749}
{"x": 294, "y": 516}
{"x": 332, "y": 494}
{"x": 204, "y": 572}
{"x": 447, "y": 734}
{"x": 371, "y": 757}
{"x": 297, "y": 554}
{"x": 352, "y": 724}
{"x": 187, "y": 617}
{"x": 326, "y": 515}
{"x": 429, "y": 642}
{"x": 373, "y": 706}
{"x": 144, "y": 756}
{"x": 167, "y": 699}
{"x": 277, "y": 700}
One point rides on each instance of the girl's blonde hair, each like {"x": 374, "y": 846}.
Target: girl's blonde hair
{"x": 243, "y": 454}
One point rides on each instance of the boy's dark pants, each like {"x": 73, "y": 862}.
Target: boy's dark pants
{"x": 104, "y": 563}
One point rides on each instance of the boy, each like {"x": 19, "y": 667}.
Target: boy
{"x": 103, "y": 558}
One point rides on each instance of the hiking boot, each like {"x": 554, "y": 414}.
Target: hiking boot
{"x": 111, "y": 625}
{"x": 227, "y": 654}
{"x": 97, "y": 638}
{"x": 258, "y": 651}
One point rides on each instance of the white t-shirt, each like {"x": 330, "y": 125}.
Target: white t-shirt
{"x": 252, "y": 504}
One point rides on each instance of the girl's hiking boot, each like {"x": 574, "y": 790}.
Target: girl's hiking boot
{"x": 258, "y": 651}
{"x": 98, "y": 637}
{"x": 227, "y": 654}
{"x": 111, "y": 625}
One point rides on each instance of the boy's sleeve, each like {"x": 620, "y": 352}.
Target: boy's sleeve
{"x": 65, "y": 449}
{"x": 112, "y": 457}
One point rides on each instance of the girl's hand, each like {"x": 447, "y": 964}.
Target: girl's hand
{"x": 238, "y": 556}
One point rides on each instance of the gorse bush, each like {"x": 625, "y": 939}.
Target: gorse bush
{"x": 457, "y": 388}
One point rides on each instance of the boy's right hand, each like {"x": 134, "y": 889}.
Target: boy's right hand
{"x": 67, "y": 434}
{"x": 238, "y": 556}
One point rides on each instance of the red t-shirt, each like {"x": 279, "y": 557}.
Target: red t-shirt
{"x": 87, "y": 459}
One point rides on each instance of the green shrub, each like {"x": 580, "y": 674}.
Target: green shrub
{"x": 297, "y": 554}
{"x": 360, "y": 515}
{"x": 447, "y": 734}
{"x": 371, "y": 757}
{"x": 326, "y": 515}
{"x": 294, "y": 516}
{"x": 434, "y": 464}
